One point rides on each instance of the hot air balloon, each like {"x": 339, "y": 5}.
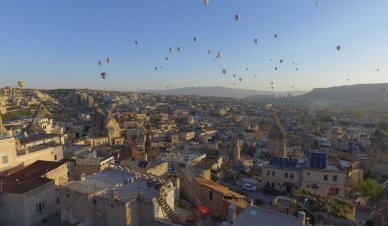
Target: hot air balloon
{"x": 255, "y": 76}
{"x": 208, "y": 51}
{"x": 272, "y": 87}
{"x": 219, "y": 55}
{"x": 234, "y": 83}
{"x": 240, "y": 79}
{"x": 136, "y": 42}
{"x": 195, "y": 39}
{"x": 108, "y": 60}
{"x": 293, "y": 62}
{"x": 166, "y": 58}
{"x": 234, "y": 75}
{"x": 170, "y": 49}
{"x": 256, "y": 40}
{"x": 276, "y": 68}
{"x": 281, "y": 61}
{"x": 377, "y": 69}
{"x": 99, "y": 62}
{"x": 338, "y": 48}
{"x": 103, "y": 75}
{"x": 246, "y": 69}
{"x": 179, "y": 49}
{"x": 237, "y": 17}
{"x": 156, "y": 68}
{"x": 296, "y": 69}
{"x": 21, "y": 84}
{"x": 224, "y": 71}
{"x": 271, "y": 83}
{"x": 275, "y": 36}
{"x": 205, "y": 2}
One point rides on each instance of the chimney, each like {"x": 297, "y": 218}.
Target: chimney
{"x": 232, "y": 213}
{"x": 145, "y": 157}
{"x": 302, "y": 217}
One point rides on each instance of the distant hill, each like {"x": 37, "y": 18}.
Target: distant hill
{"x": 370, "y": 97}
{"x": 218, "y": 91}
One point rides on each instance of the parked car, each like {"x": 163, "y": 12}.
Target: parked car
{"x": 248, "y": 187}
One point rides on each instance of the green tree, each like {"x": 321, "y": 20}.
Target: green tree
{"x": 370, "y": 188}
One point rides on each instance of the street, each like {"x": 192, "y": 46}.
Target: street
{"x": 255, "y": 195}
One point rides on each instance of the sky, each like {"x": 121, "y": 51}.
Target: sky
{"x": 57, "y": 44}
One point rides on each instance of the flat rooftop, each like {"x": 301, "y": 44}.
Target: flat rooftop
{"x": 116, "y": 180}
{"x": 257, "y": 216}
{"x": 29, "y": 177}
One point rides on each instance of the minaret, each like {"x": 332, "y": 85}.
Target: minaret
{"x": 236, "y": 150}
{"x": 277, "y": 139}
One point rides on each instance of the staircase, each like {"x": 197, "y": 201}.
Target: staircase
{"x": 167, "y": 209}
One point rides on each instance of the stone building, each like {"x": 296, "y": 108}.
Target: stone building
{"x": 117, "y": 196}
{"x": 29, "y": 196}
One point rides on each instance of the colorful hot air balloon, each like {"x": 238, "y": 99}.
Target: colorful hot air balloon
{"x": 234, "y": 75}
{"x": 166, "y": 58}
{"x": 179, "y": 49}
{"x": 156, "y": 68}
{"x": 208, "y": 51}
{"x": 281, "y": 61}
{"x": 108, "y": 60}
{"x": 21, "y": 84}
{"x": 205, "y": 2}
{"x": 276, "y": 68}
{"x": 103, "y": 75}
{"x": 240, "y": 79}
{"x": 170, "y": 49}
{"x": 136, "y": 42}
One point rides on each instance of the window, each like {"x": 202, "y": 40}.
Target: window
{"x": 40, "y": 207}
{"x": 55, "y": 157}
{"x": 210, "y": 195}
{"x": 335, "y": 178}
{"x": 273, "y": 173}
{"x": 4, "y": 159}
{"x": 58, "y": 201}
{"x": 334, "y": 191}
{"x": 291, "y": 175}
{"x": 285, "y": 175}
{"x": 325, "y": 177}
{"x": 268, "y": 172}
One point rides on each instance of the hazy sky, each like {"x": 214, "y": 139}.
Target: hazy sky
{"x": 56, "y": 44}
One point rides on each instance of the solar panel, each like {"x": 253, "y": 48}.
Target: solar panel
{"x": 318, "y": 160}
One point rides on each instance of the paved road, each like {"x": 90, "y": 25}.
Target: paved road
{"x": 266, "y": 198}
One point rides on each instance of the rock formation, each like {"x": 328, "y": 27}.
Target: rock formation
{"x": 79, "y": 98}
{"x": 104, "y": 125}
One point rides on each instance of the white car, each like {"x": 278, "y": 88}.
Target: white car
{"x": 248, "y": 187}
